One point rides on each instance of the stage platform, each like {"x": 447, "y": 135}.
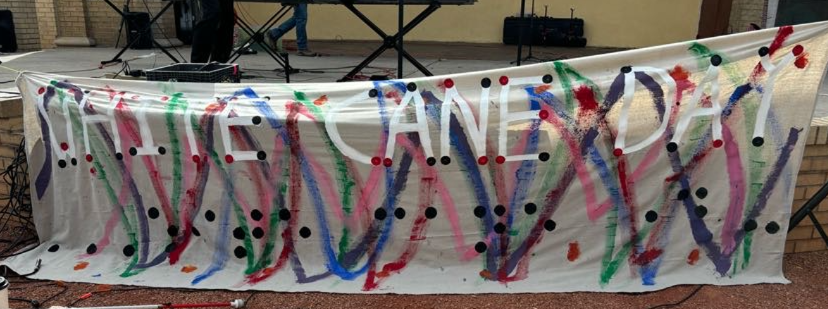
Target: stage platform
{"x": 339, "y": 57}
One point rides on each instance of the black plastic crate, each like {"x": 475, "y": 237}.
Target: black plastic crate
{"x": 196, "y": 73}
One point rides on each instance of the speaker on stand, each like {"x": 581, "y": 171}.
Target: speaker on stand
{"x": 137, "y": 22}
{"x": 8, "y": 39}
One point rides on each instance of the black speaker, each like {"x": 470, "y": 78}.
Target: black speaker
{"x": 8, "y": 40}
{"x": 137, "y": 22}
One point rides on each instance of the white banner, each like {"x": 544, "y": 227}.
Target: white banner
{"x": 631, "y": 171}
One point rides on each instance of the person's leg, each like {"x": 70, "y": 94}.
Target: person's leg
{"x": 224, "y": 33}
{"x": 301, "y": 16}
{"x": 204, "y": 30}
{"x": 286, "y": 26}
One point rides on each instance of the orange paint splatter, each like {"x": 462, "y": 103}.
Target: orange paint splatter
{"x": 321, "y": 100}
{"x": 542, "y": 88}
{"x": 693, "y": 257}
{"x": 679, "y": 73}
{"x": 802, "y": 61}
{"x": 574, "y": 251}
{"x": 81, "y": 265}
{"x": 486, "y": 274}
{"x": 188, "y": 269}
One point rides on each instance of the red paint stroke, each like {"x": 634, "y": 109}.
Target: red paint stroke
{"x": 395, "y": 95}
{"x": 647, "y": 256}
{"x": 417, "y": 230}
{"x": 693, "y": 257}
{"x": 321, "y": 100}
{"x": 781, "y": 35}
{"x": 574, "y": 251}
{"x": 627, "y": 186}
{"x": 586, "y": 97}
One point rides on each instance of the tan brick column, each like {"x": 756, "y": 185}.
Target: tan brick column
{"x": 72, "y": 27}
{"x": 46, "y": 22}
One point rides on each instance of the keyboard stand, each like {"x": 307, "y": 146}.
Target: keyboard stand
{"x": 258, "y": 37}
{"x": 389, "y": 42}
{"x": 117, "y": 57}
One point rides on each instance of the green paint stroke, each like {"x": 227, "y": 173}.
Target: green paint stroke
{"x": 96, "y": 143}
{"x": 175, "y": 103}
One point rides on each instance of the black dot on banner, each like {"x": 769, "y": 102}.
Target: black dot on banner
{"x": 54, "y": 248}
{"x": 550, "y": 225}
{"x": 284, "y": 214}
{"x": 129, "y": 250}
{"x": 74, "y": 161}
{"x": 240, "y": 252}
{"x": 261, "y": 155}
{"x": 772, "y": 227}
{"x": 480, "y": 247}
{"x": 305, "y": 232}
{"x": 411, "y": 87}
{"x": 256, "y": 215}
{"x": 651, "y": 216}
{"x": 238, "y": 233}
{"x": 499, "y": 228}
{"x": 258, "y": 233}
{"x": 373, "y": 93}
{"x": 257, "y": 120}
{"x": 153, "y": 213}
{"x": 61, "y": 163}
{"x": 547, "y": 79}
{"x": 431, "y": 161}
{"x": 683, "y": 194}
{"x": 758, "y": 141}
{"x": 162, "y": 150}
{"x": 750, "y": 225}
{"x": 172, "y": 231}
{"x": 119, "y": 156}
{"x": 210, "y": 216}
{"x": 763, "y": 51}
{"x": 716, "y": 60}
{"x": 700, "y": 211}
{"x": 91, "y": 249}
{"x": 431, "y": 213}
{"x": 701, "y": 192}
{"x": 500, "y": 210}
{"x": 169, "y": 248}
{"x": 399, "y": 213}
{"x": 486, "y": 82}
{"x": 626, "y": 69}
{"x": 543, "y": 156}
{"x": 445, "y": 160}
{"x": 672, "y": 147}
{"x": 196, "y": 232}
{"x": 380, "y": 214}
{"x": 133, "y": 151}
{"x": 530, "y": 208}
{"x": 480, "y": 211}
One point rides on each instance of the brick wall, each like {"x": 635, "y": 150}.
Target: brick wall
{"x": 812, "y": 175}
{"x": 105, "y": 22}
{"x": 745, "y": 12}
{"x": 25, "y": 23}
{"x": 11, "y": 132}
